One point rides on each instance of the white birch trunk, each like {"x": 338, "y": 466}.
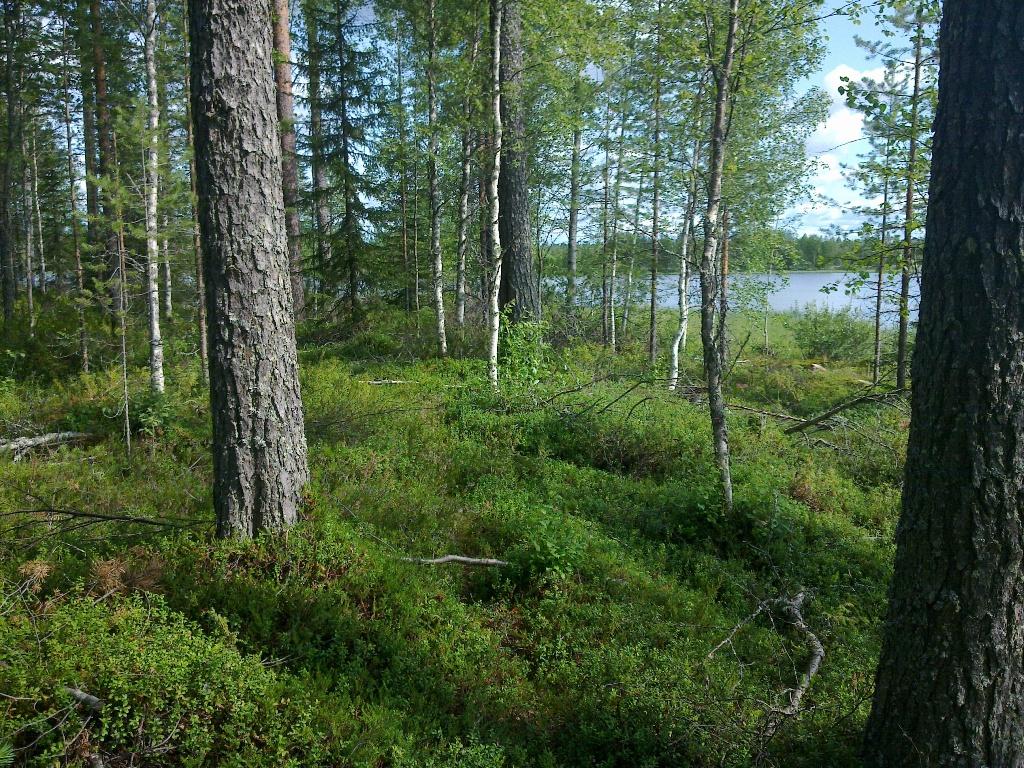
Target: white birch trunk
{"x": 156, "y": 345}
{"x": 494, "y": 311}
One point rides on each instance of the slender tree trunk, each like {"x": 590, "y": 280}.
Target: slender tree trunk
{"x": 29, "y": 230}
{"x": 712, "y": 359}
{"x": 12, "y": 9}
{"x": 259, "y": 448}
{"x": 652, "y": 341}
{"x": 92, "y": 206}
{"x": 403, "y": 188}
{"x": 348, "y": 221}
{"x": 876, "y": 363}
{"x": 574, "y": 214}
{"x": 616, "y": 189}
{"x": 156, "y": 344}
{"x": 76, "y": 236}
{"x": 318, "y": 164}
{"x": 908, "y": 223}
{"x": 416, "y": 232}
{"x": 606, "y": 198}
{"x": 434, "y": 146}
{"x": 197, "y": 240}
{"x": 495, "y": 244}
{"x": 467, "y": 167}
{"x": 106, "y": 167}
{"x": 683, "y": 285}
{"x": 518, "y": 274}
{"x": 949, "y": 686}
{"x": 38, "y": 216}
{"x": 723, "y": 290}
{"x": 627, "y": 304}
{"x": 289, "y": 163}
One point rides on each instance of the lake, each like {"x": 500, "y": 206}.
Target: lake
{"x": 786, "y": 292}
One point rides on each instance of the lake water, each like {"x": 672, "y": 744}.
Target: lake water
{"x": 785, "y": 292}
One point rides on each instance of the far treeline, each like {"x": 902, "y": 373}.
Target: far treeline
{"x": 226, "y": 182}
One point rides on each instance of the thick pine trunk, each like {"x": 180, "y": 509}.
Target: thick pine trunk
{"x": 712, "y": 358}
{"x": 950, "y": 685}
{"x": 259, "y": 448}
{"x": 156, "y": 344}
{"x": 289, "y": 163}
{"x": 518, "y": 273}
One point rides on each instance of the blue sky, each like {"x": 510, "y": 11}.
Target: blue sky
{"x": 836, "y": 143}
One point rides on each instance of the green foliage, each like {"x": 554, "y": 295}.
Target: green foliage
{"x": 325, "y": 647}
{"x": 832, "y": 334}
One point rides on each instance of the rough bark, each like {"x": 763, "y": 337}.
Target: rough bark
{"x": 950, "y": 684}
{"x": 156, "y": 344}
{"x": 289, "y": 164}
{"x": 259, "y": 448}
{"x": 712, "y": 359}
{"x": 518, "y": 273}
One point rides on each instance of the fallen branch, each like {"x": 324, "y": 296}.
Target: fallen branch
{"x": 24, "y": 444}
{"x": 791, "y": 612}
{"x": 461, "y": 560}
{"x": 87, "y": 700}
{"x": 865, "y": 398}
{"x": 383, "y": 382}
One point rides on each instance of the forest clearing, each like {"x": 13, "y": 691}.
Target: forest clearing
{"x": 511, "y": 383}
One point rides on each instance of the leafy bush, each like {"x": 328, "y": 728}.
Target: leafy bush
{"x": 826, "y": 334}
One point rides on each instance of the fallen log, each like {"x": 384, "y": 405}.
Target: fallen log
{"x": 24, "y": 444}
{"x": 87, "y": 700}
{"x": 866, "y": 398}
{"x": 460, "y": 559}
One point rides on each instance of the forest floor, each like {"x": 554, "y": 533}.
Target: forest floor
{"x": 632, "y": 624}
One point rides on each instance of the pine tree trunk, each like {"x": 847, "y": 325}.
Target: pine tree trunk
{"x": 627, "y": 304}
{"x": 289, "y": 164}
{"x": 908, "y": 222}
{"x": 29, "y": 239}
{"x": 433, "y": 148}
{"x": 38, "y": 216}
{"x": 712, "y": 359}
{"x": 495, "y": 241}
{"x": 876, "y": 363}
{"x": 518, "y": 272}
{"x": 87, "y": 89}
{"x": 259, "y": 448}
{"x": 949, "y": 686}
{"x": 156, "y": 344}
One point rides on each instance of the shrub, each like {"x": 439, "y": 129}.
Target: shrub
{"x": 827, "y": 334}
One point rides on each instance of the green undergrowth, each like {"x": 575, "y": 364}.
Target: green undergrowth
{"x": 327, "y": 646}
